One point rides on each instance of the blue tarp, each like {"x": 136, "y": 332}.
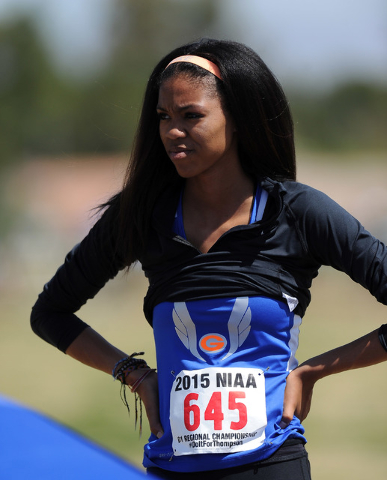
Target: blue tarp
{"x": 33, "y": 446}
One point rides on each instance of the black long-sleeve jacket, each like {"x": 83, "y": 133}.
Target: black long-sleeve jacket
{"x": 278, "y": 257}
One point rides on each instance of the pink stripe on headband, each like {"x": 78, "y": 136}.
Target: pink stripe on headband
{"x": 201, "y": 62}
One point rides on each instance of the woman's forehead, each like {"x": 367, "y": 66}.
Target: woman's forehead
{"x": 187, "y": 86}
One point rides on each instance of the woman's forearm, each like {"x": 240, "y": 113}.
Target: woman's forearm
{"x": 363, "y": 352}
{"x": 93, "y": 350}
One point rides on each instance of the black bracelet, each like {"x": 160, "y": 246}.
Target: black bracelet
{"x": 383, "y": 336}
{"x": 127, "y": 362}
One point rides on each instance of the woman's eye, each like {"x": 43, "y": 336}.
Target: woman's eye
{"x": 188, "y": 115}
{"x": 193, "y": 115}
{"x": 162, "y": 115}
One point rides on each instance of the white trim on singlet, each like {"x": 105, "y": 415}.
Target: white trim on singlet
{"x": 293, "y": 342}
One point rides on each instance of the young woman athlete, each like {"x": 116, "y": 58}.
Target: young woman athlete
{"x": 230, "y": 243}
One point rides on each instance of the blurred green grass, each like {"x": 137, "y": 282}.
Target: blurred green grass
{"x": 345, "y": 429}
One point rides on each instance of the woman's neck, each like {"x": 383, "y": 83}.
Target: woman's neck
{"x": 211, "y": 208}
{"x": 220, "y": 193}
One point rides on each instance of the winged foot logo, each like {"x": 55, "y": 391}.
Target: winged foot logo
{"x": 239, "y": 326}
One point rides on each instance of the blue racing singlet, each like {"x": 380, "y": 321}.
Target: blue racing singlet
{"x": 222, "y": 367}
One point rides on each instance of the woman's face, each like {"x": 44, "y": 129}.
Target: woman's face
{"x": 197, "y": 133}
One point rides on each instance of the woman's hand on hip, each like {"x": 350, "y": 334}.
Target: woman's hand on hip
{"x": 148, "y": 390}
{"x": 298, "y": 395}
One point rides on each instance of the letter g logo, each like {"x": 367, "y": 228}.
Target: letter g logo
{"x": 212, "y": 343}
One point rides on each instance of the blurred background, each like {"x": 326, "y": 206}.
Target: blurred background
{"x": 72, "y": 77}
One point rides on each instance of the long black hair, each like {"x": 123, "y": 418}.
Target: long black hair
{"x": 258, "y": 106}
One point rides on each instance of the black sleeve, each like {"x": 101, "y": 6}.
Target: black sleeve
{"x": 334, "y": 237}
{"x": 85, "y": 271}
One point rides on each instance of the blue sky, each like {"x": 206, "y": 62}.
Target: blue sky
{"x": 307, "y": 42}
{"x": 319, "y": 40}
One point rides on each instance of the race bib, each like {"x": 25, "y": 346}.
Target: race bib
{"x": 218, "y": 410}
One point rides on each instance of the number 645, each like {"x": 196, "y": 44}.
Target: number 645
{"x": 213, "y": 411}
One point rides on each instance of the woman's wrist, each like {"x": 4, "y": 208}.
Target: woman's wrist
{"x": 127, "y": 365}
{"x": 145, "y": 372}
{"x": 131, "y": 372}
{"x": 133, "y": 376}
{"x": 311, "y": 371}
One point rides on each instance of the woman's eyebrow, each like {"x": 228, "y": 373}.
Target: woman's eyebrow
{"x": 182, "y": 107}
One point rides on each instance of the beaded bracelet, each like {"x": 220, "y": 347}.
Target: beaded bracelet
{"x": 124, "y": 371}
{"x": 122, "y": 376}
{"x": 127, "y": 362}
{"x": 383, "y": 336}
{"x": 120, "y": 371}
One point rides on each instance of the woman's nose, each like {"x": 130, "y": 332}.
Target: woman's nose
{"x": 175, "y": 131}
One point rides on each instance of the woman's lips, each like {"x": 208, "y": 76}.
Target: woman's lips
{"x": 178, "y": 153}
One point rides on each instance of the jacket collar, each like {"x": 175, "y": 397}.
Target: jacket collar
{"x": 165, "y": 210}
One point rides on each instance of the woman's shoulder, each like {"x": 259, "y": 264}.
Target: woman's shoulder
{"x": 297, "y": 195}
{"x": 317, "y": 214}
{"x": 309, "y": 206}
{"x": 299, "y": 190}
